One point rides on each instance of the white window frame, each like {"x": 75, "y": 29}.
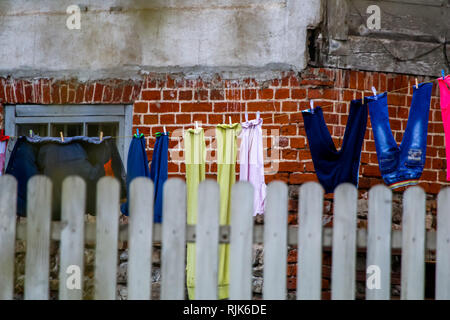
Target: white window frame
{"x": 48, "y": 114}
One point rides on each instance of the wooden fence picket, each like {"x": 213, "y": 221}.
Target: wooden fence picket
{"x": 39, "y": 192}
{"x": 108, "y": 189}
{"x": 344, "y": 243}
{"x": 443, "y": 246}
{"x": 379, "y": 243}
{"x": 73, "y": 200}
{"x": 8, "y": 204}
{"x": 241, "y": 241}
{"x": 413, "y": 245}
{"x": 275, "y": 241}
{"x": 309, "y": 248}
{"x": 140, "y": 239}
{"x": 207, "y": 241}
{"x": 173, "y": 240}
{"x": 276, "y": 235}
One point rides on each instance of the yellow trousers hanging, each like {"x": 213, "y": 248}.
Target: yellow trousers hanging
{"x": 195, "y": 156}
{"x": 226, "y": 137}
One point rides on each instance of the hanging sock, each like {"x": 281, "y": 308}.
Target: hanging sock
{"x": 137, "y": 165}
{"x": 226, "y": 136}
{"x": 195, "y": 158}
{"x": 335, "y": 167}
{"x": 159, "y": 171}
{"x": 252, "y": 161}
{"x": 401, "y": 165}
{"x": 444, "y": 86}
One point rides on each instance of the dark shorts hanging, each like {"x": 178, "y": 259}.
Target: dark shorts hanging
{"x": 335, "y": 167}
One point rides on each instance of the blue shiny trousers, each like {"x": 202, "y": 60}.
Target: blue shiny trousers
{"x": 401, "y": 165}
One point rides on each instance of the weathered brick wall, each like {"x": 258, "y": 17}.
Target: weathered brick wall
{"x": 176, "y": 102}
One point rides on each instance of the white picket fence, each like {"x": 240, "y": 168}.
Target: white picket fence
{"x": 311, "y": 237}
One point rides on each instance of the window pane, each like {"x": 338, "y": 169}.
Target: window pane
{"x": 109, "y": 129}
{"x": 38, "y": 129}
{"x": 68, "y": 129}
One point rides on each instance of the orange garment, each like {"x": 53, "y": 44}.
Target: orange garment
{"x": 108, "y": 169}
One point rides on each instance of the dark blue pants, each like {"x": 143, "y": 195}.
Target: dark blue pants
{"x": 401, "y": 166}
{"x": 137, "y": 166}
{"x": 159, "y": 171}
{"x": 335, "y": 167}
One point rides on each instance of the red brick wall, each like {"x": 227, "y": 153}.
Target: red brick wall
{"x": 178, "y": 102}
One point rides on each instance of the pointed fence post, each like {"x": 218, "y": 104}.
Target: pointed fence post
{"x": 344, "y": 243}
{"x": 71, "y": 271}
{"x": 275, "y": 241}
{"x": 309, "y": 247}
{"x": 8, "y": 204}
{"x": 39, "y": 200}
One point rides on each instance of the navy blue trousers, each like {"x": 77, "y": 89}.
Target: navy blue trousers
{"x": 159, "y": 171}
{"x": 137, "y": 166}
{"x": 401, "y": 165}
{"x": 335, "y": 167}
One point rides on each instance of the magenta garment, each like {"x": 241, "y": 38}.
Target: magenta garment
{"x": 444, "y": 86}
{"x": 2, "y": 156}
{"x": 252, "y": 161}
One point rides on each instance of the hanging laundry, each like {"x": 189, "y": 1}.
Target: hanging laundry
{"x": 159, "y": 171}
{"x": 82, "y": 156}
{"x": 335, "y": 167}
{"x": 444, "y": 87}
{"x": 195, "y": 158}
{"x": 401, "y": 166}
{"x": 252, "y": 161}
{"x": 226, "y": 137}
{"x": 137, "y": 165}
{"x": 3, "y": 143}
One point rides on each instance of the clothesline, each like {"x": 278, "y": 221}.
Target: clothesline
{"x": 280, "y": 115}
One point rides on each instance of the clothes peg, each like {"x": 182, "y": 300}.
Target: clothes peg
{"x": 257, "y": 115}
{"x": 31, "y": 133}
{"x": 196, "y": 124}
{"x": 311, "y": 104}
{"x": 164, "y": 128}
{"x": 62, "y": 136}
{"x": 375, "y": 93}
{"x": 417, "y": 84}
{"x": 246, "y": 116}
{"x": 443, "y": 74}
{"x": 101, "y": 136}
{"x": 229, "y": 119}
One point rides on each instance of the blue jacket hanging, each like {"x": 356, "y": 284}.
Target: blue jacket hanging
{"x": 159, "y": 171}
{"x": 137, "y": 165}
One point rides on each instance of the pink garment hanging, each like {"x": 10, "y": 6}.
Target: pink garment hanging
{"x": 3, "y": 142}
{"x": 444, "y": 86}
{"x": 252, "y": 161}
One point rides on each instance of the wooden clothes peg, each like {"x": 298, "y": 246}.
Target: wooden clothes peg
{"x": 229, "y": 119}
{"x": 164, "y": 128}
{"x": 417, "y": 84}
{"x": 101, "y": 136}
{"x": 62, "y": 136}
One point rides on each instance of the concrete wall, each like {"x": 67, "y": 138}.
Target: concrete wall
{"x": 121, "y": 39}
